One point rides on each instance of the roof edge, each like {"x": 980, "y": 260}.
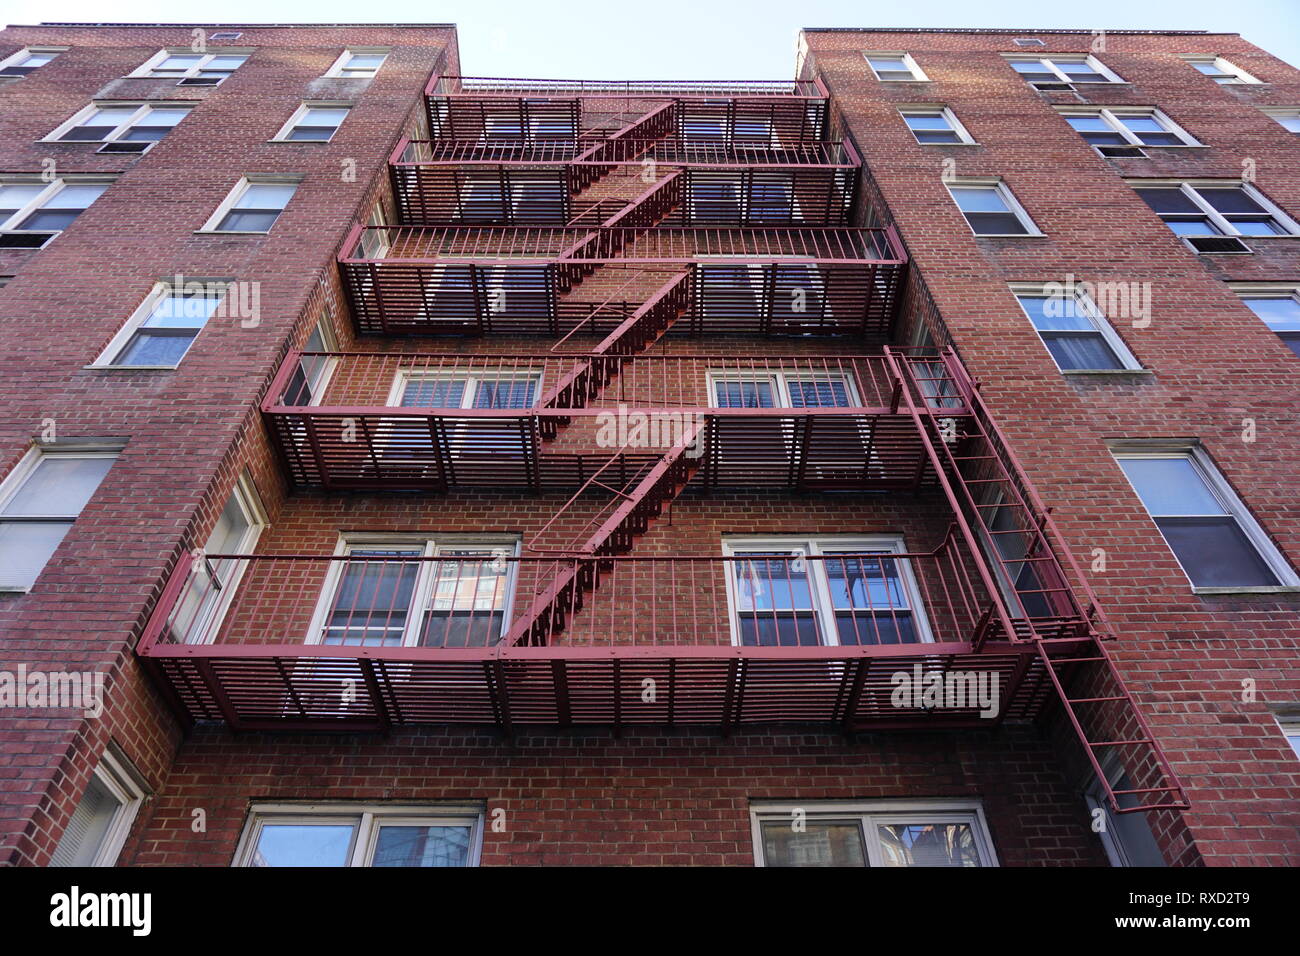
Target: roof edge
{"x": 1024, "y": 30}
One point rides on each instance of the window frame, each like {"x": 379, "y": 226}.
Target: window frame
{"x": 282, "y": 136}
{"x": 871, "y": 813}
{"x": 1110, "y": 115}
{"x": 1217, "y": 485}
{"x": 143, "y": 109}
{"x": 145, "y": 69}
{"x": 1100, "y": 322}
{"x": 126, "y": 785}
{"x": 819, "y": 587}
{"x": 26, "y": 467}
{"x": 963, "y": 135}
{"x": 1288, "y": 723}
{"x": 1280, "y": 113}
{"x": 52, "y": 189}
{"x": 1049, "y": 66}
{"x": 126, "y": 334}
{"x": 1239, "y": 76}
{"x": 1190, "y": 189}
{"x": 16, "y": 60}
{"x": 422, "y": 589}
{"x": 1008, "y": 198}
{"x": 367, "y": 819}
{"x": 918, "y": 74}
{"x": 1094, "y": 795}
{"x": 237, "y": 192}
{"x": 336, "y": 68}
{"x": 1269, "y": 290}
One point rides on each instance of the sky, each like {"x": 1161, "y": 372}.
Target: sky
{"x": 686, "y": 39}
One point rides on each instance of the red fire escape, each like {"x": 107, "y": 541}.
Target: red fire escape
{"x": 605, "y": 217}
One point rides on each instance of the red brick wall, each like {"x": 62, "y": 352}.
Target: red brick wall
{"x": 1215, "y": 364}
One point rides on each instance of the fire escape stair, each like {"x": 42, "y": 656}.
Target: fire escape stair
{"x": 590, "y": 166}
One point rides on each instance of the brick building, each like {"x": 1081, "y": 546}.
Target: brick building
{"x": 448, "y": 470}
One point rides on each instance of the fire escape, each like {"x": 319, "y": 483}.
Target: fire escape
{"x": 605, "y": 219}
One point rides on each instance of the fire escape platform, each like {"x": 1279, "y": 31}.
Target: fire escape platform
{"x": 331, "y": 688}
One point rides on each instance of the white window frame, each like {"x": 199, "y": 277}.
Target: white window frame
{"x": 1094, "y": 795}
{"x": 367, "y": 818}
{"x": 1280, "y": 113}
{"x": 336, "y": 68}
{"x": 324, "y": 326}
{"x": 26, "y": 467}
{"x": 823, "y": 606}
{"x": 1189, "y": 187}
{"x": 107, "y": 358}
{"x": 1110, "y": 115}
{"x": 126, "y": 785}
{"x": 1084, "y": 305}
{"x": 1049, "y": 66}
{"x": 781, "y": 379}
{"x": 1232, "y": 505}
{"x": 144, "y": 108}
{"x": 423, "y": 588}
{"x": 1241, "y": 77}
{"x": 145, "y": 69}
{"x": 1008, "y": 197}
{"x": 237, "y": 192}
{"x": 1028, "y": 42}
{"x": 472, "y": 379}
{"x": 17, "y": 59}
{"x": 869, "y": 815}
{"x": 283, "y": 135}
{"x": 215, "y": 604}
{"x": 53, "y": 189}
{"x": 1267, "y": 290}
{"x": 963, "y": 135}
{"x": 918, "y": 74}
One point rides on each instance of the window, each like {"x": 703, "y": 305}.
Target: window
{"x": 193, "y": 69}
{"x": 382, "y": 594}
{"x": 352, "y": 835}
{"x": 358, "y": 63}
{"x": 122, "y": 128}
{"x": 313, "y": 123}
{"x": 1122, "y": 132}
{"x": 100, "y": 824}
{"x": 895, "y": 67}
{"x": 1290, "y": 727}
{"x": 39, "y": 502}
{"x": 1278, "y": 306}
{"x": 309, "y": 379}
{"x": 252, "y": 206}
{"x": 1074, "y": 330}
{"x": 32, "y": 212}
{"x": 1061, "y": 72}
{"x": 225, "y": 36}
{"x": 1288, "y": 119}
{"x": 1028, "y": 41}
{"x": 887, "y": 833}
{"x": 936, "y": 125}
{"x": 498, "y": 388}
{"x": 164, "y": 327}
{"x": 27, "y": 60}
{"x": 1203, "y": 211}
{"x": 1126, "y": 837}
{"x": 1207, "y": 527}
{"x": 786, "y": 592}
{"x": 212, "y": 587}
{"x": 990, "y": 209}
{"x": 1220, "y": 70}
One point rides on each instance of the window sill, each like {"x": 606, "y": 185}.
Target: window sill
{"x": 300, "y": 142}
{"x": 1009, "y": 235}
{"x": 1109, "y": 372}
{"x": 227, "y": 232}
{"x": 946, "y": 144}
{"x": 1259, "y": 589}
{"x": 130, "y": 368}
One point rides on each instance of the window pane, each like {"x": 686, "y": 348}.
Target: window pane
{"x": 266, "y": 196}
{"x": 1215, "y": 552}
{"x": 147, "y": 349}
{"x": 248, "y": 221}
{"x": 26, "y": 547}
{"x": 820, "y": 844}
{"x": 84, "y": 835}
{"x": 58, "y": 486}
{"x": 433, "y": 393}
{"x": 754, "y": 394}
{"x": 978, "y": 199}
{"x": 1169, "y": 200}
{"x": 14, "y": 197}
{"x": 179, "y": 310}
{"x": 1280, "y": 315}
{"x": 928, "y": 844}
{"x": 995, "y": 223}
{"x": 179, "y": 62}
{"x": 318, "y": 116}
{"x": 1080, "y": 351}
{"x": 373, "y": 600}
{"x": 74, "y": 197}
{"x": 1230, "y": 200}
{"x": 1089, "y": 124}
{"x": 305, "y": 844}
{"x": 1056, "y": 313}
{"x": 927, "y": 121}
{"x": 1171, "y": 486}
{"x": 359, "y": 61}
{"x": 422, "y": 846}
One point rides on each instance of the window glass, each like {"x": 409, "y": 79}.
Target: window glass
{"x": 927, "y": 844}
{"x": 304, "y": 844}
{"x": 819, "y": 844}
{"x": 398, "y": 845}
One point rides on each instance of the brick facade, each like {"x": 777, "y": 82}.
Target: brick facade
{"x": 647, "y": 796}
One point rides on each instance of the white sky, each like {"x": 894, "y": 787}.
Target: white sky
{"x": 685, "y": 39}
